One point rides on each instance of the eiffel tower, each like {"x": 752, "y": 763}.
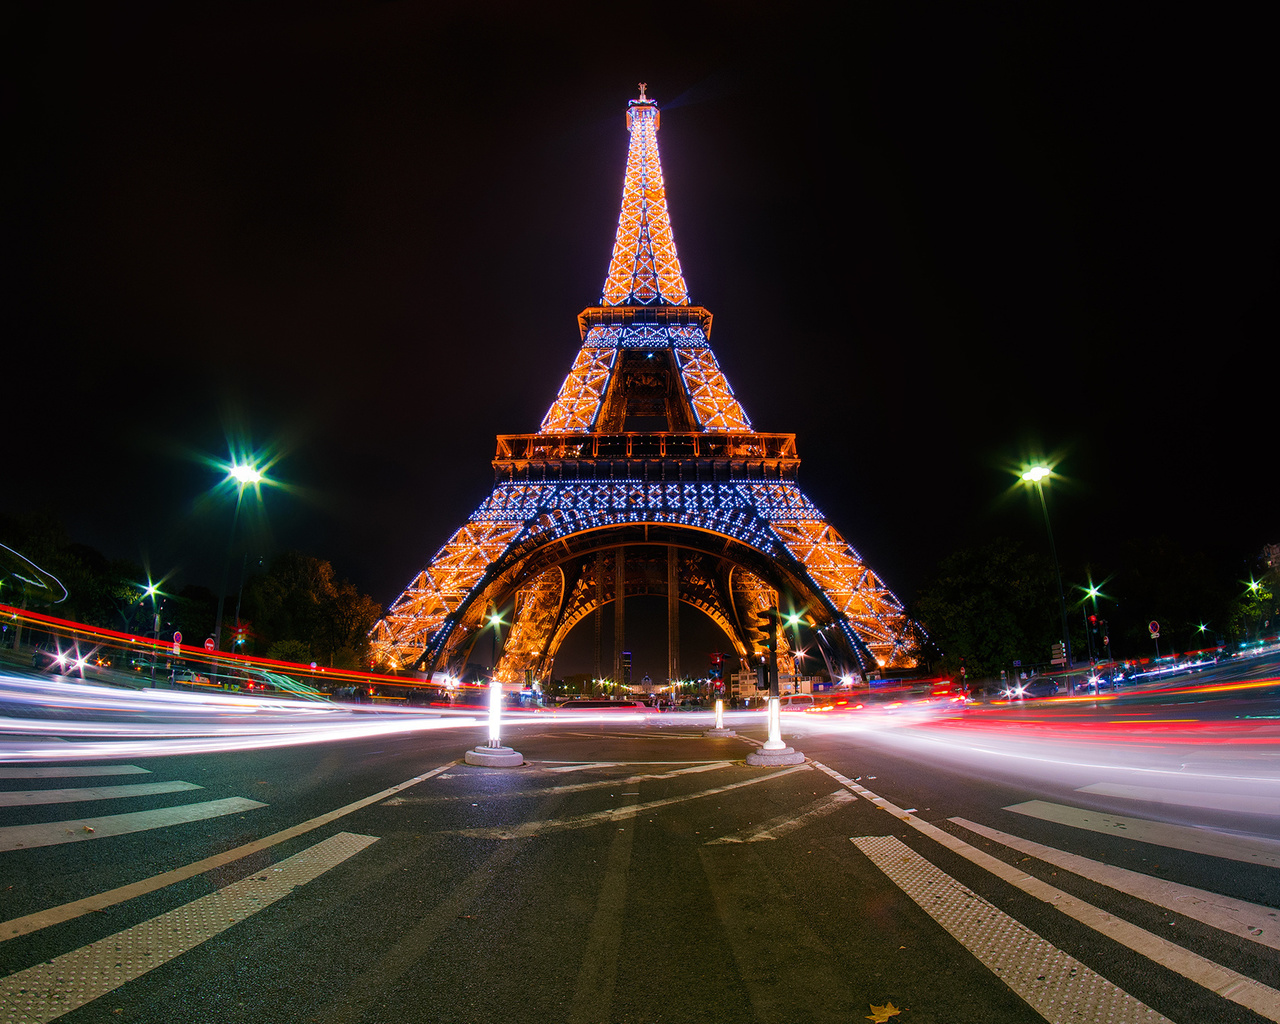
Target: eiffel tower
{"x": 645, "y": 478}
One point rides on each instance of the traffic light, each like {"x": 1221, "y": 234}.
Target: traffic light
{"x": 767, "y": 623}
{"x": 762, "y": 674}
{"x": 717, "y": 667}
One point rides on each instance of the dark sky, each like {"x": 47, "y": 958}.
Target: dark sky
{"x": 358, "y": 234}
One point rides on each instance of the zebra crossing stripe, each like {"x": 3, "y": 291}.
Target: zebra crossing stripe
{"x": 1235, "y": 917}
{"x": 1247, "y": 803}
{"x": 39, "y": 797}
{"x": 1057, "y": 986}
{"x": 58, "y": 986}
{"x": 52, "y": 833}
{"x": 1225, "y": 982}
{"x": 1249, "y": 849}
{"x": 63, "y": 771}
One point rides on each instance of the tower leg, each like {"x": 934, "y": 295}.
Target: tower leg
{"x": 673, "y": 613}
{"x": 619, "y": 611}
{"x": 599, "y": 617}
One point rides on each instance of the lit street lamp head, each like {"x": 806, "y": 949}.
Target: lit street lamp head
{"x": 1035, "y": 474}
{"x": 246, "y": 475}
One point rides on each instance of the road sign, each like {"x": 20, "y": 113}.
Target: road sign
{"x": 177, "y": 637}
{"x": 208, "y": 644}
{"x": 1154, "y": 628}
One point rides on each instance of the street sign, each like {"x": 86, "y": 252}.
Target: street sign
{"x": 177, "y": 637}
{"x": 208, "y": 644}
{"x": 1154, "y": 628}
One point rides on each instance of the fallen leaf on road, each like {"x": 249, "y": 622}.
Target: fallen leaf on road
{"x": 88, "y": 829}
{"x": 881, "y": 1014}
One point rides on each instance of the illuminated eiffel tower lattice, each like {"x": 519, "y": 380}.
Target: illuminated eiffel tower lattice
{"x": 645, "y": 478}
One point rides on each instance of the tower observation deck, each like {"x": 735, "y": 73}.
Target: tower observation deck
{"x": 646, "y": 477}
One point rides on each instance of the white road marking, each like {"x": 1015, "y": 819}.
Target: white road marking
{"x": 69, "y": 911}
{"x": 37, "y": 797}
{"x": 1057, "y": 986}
{"x": 1226, "y": 983}
{"x": 533, "y": 828}
{"x": 776, "y": 828}
{"x": 1249, "y": 849}
{"x": 52, "y": 833}
{"x": 583, "y": 767}
{"x": 1246, "y": 803}
{"x": 56, "y": 987}
{"x": 63, "y": 771}
{"x": 1236, "y": 917}
{"x": 575, "y": 787}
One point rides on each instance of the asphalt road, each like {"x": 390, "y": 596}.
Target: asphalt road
{"x": 1108, "y": 860}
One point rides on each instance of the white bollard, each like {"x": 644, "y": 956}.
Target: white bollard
{"x": 495, "y": 714}
{"x": 775, "y": 725}
{"x": 719, "y": 729}
{"x": 494, "y": 754}
{"x": 775, "y": 752}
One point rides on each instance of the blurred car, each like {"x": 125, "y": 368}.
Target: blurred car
{"x": 636, "y": 706}
{"x": 191, "y": 677}
{"x": 47, "y": 655}
{"x": 1036, "y": 686}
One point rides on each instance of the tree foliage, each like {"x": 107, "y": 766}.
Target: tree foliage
{"x": 991, "y": 605}
{"x": 302, "y": 601}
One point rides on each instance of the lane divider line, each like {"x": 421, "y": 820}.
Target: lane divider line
{"x": 68, "y": 911}
{"x": 1240, "y": 918}
{"x": 1225, "y": 982}
{"x": 1054, "y": 984}
{"x": 48, "y": 990}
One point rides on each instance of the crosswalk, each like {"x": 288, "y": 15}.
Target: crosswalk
{"x": 82, "y": 829}
{"x": 957, "y": 908}
{"x": 1053, "y": 981}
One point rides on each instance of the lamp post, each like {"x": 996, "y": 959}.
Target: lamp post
{"x": 151, "y": 591}
{"x": 797, "y": 656}
{"x": 242, "y": 474}
{"x": 495, "y": 620}
{"x": 1036, "y": 475}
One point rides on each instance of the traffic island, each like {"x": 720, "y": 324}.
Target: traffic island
{"x": 494, "y": 757}
{"x": 763, "y": 758}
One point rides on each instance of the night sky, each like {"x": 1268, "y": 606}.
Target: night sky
{"x": 357, "y": 235}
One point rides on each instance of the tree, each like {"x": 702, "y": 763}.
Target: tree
{"x": 301, "y": 599}
{"x": 991, "y": 605}
{"x": 1162, "y": 581}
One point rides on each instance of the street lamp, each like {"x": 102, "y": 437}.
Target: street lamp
{"x": 151, "y": 591}
{"x": 1037, "y": 475}
{"x": 242, "y": 474}
{"x": 495, "y": 620}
